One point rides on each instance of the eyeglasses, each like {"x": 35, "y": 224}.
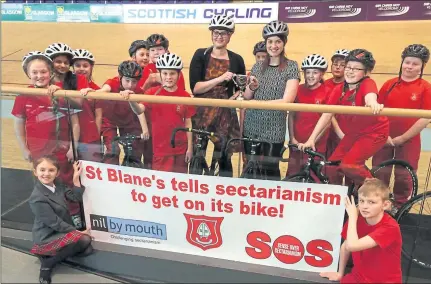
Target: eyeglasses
{"x": 217, "y": 34}
{"x": 355, "y": 70}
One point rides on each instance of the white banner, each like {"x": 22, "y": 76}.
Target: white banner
{"x": 244, "y": 13}
{"x": 280, "y": 224}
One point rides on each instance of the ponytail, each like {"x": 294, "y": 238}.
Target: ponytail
{"x": 70, "y": 81}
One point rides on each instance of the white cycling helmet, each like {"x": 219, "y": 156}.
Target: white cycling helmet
{"x": 314, "y": 61}
{"x": 83, "y": 54}
{"x": 340, "y": 53}
{"x": 169, "y": 61}
{"x": 58, "y": 48}
{"x": 275, "y": 28}
{"x": 222, "y": 22}
{"x": 35, "y": 55}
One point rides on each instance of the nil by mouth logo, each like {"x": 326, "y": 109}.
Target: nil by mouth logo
{"x": 128, "y": 227}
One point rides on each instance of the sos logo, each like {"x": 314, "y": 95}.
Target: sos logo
{"x": 289, "y": 250}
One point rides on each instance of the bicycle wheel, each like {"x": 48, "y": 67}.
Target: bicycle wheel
{"x": 405, "y": 173}
{"x": 416, "y": 229}
{"x": 299, "y": 178}
{"x": 195, "y": 167}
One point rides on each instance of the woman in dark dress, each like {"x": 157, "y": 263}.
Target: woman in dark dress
{"x": 211, "y": 72}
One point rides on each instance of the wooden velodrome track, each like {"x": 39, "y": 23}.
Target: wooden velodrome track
{"x": 109, "y": 44}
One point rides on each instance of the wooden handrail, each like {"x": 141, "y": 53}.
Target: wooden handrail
{"x": 13, "y": 90}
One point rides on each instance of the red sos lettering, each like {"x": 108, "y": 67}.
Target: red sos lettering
{"x": 289, "y": 250}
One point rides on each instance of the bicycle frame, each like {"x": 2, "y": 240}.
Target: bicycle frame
{"x": 316, "y": 168}
{"x": 127, "y": 142}
{"x": 253, "y": 164}
{"x": 199, "y": 150}
{"x": 311, "y": 165}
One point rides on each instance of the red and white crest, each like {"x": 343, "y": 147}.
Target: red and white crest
{"x": 414, "y": 97}
{"x": 204, "y": 231}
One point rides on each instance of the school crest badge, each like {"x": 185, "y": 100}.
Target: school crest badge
{"x": 204, "y": 231}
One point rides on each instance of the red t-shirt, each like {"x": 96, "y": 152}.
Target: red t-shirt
{"x": 359, "y": 124}
{"x": 40, "y": 123}
{"x": 87, "y": 122}
{"x": 380, "y": 264}
{"x": 119, "y": 113}
{"x": 166, "y": 117}
{"x": 87, "y": 118}
{"x": 411, "y": 95}
{"x": 330, "y": 84}
{"x": 151, "y": 68}
{"x": 305, "y": 122}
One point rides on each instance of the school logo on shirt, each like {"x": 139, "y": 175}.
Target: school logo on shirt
{"x": 203, "y": 231}
{"x": 414, "y": 97}
{"x": 317, "y": 102}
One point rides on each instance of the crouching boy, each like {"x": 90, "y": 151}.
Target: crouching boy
{"x": 373, "y": 238}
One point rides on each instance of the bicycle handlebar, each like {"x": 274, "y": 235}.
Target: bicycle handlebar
{"x": 127, "y": 137}
{"x": 249, "y": 140}
{"x": 306, "y": 151}
{"x": 197, "y": 131}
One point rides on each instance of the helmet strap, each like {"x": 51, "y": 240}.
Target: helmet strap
{"x": 121, "y": 84}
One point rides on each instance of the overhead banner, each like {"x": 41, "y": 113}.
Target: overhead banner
{"x": 77, "y": 13}
{"x": 40, "y": 13}
{"x": 244, "y": 13}
{"x": 106, "y": 13}
{"x": 357, "y": 11}
{"x": 271, "y": 223}
{"x": 397, "y": 10}
{"x": 12, "y": 12}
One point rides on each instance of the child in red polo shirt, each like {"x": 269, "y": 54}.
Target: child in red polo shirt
{"x": 61, "y": 55}
{"x": 166, "y": 117}
{"x": 41, "y": 123}
{"x": 139, "y": 53}
{"x": 158, "y": 45}
{"x": 337, "y": 69}
{"x": 301, "y": 124}
{"x": 366, "y": 134}
{"x": 373, "y": 238}
{"x": 117, "y": 114}
{"x": 90, "y": 118}
{"x": 409, "y": 91}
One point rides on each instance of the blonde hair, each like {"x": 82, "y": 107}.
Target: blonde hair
{"x": 375, "y": 186}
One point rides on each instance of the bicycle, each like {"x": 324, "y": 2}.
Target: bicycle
{"x": 253, "y": 168}
{"x": 127, "y": 141}
{"x": 316, "y": 167}
{"x": 198, "y": 163}
{"x": 403, "y": 216}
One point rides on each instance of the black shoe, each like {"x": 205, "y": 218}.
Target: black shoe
{"x": 45, "y": 276}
